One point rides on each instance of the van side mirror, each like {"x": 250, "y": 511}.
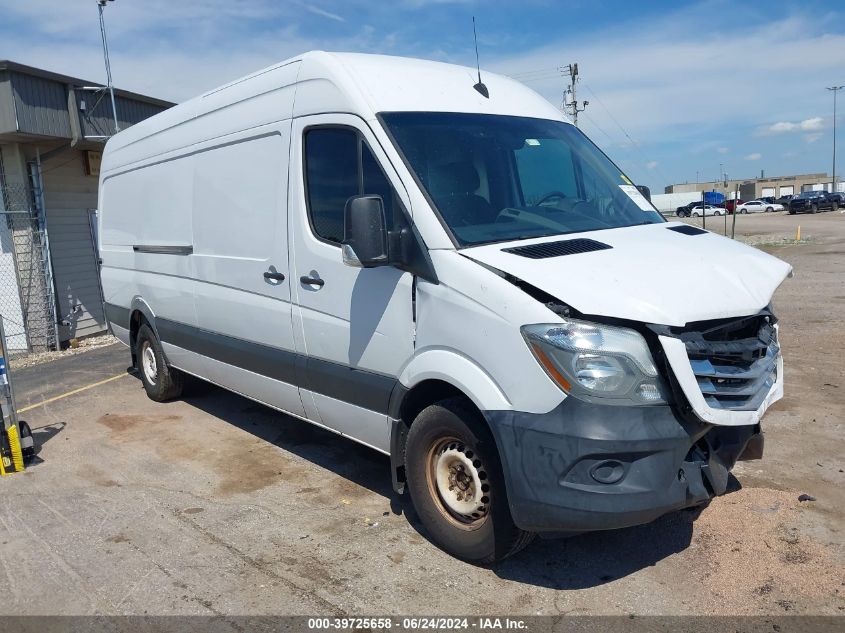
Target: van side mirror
{"x": 364, "y": 232}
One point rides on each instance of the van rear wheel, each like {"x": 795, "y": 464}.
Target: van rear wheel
{"x": 457, "y": 486}
{"x": 161, "y": 382}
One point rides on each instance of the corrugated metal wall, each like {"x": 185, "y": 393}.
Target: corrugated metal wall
{"x": 69, "y": 194}
{"x": 97, "y": 118}
{"x": 32, "y": 104}
{"x": 41, "y": 106}
{"x": 7, "y": 104}
{"x": 37, "y": 105}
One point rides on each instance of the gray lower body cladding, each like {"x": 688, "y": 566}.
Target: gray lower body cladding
{"x": 585, "y": 467}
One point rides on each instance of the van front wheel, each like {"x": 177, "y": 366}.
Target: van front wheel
{"x": 161, "y": 382}
{"x": 457, "y": 486}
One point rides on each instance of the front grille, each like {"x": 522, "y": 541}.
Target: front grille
{"x": 734, "y": 362}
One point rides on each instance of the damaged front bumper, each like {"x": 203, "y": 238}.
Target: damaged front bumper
{"x": 584, "y": 467}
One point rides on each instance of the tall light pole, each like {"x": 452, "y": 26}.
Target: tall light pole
{"x": 101, "y": 4}
{"x": 834, "y": 89}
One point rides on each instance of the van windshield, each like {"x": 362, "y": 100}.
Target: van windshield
{"x": 495, "y": 178}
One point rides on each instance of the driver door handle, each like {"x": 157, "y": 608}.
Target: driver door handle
{"x": 274, "y": 276}
{"x": 312, "y": 281}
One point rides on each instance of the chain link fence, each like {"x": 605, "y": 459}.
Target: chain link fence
{"x": 26, "y": 297}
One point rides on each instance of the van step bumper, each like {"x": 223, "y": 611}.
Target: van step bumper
{"x": 584, "y": 467}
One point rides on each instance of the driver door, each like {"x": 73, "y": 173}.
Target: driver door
{"x": 355, "y": 325}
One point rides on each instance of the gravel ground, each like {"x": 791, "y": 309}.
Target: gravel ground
{"x": 19, "y": 360}
{"x": 215, "y": 505}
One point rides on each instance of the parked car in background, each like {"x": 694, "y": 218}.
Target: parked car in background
{"x": 813, "y": 201}
{"x": 769, "y": 199}
{"x": 839, "y": 197}
{"x": 731, "y": 204}
{"x": 759, "y": 206}
{"x": 784, "y": 200}
{"x": 706, "y": 209}
{"x": 684, "y": 210}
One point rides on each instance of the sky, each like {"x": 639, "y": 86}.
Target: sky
{"x": 678, "y": 90}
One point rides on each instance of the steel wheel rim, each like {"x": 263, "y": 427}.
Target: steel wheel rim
{"x": 458, "y": 483}
{"x": 148, "y": 363}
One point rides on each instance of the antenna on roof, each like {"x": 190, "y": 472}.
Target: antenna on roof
{"x": 480, "y": 87}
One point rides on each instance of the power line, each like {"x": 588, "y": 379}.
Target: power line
{"x": 613, "y": 142}
{"x": 599, "y": 128}
{"x": 545, "y": 74}
{"x": 625, "y": 132}
{"x": 542, "y": 71}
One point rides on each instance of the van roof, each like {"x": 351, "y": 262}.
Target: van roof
{"x": 392, "y": 84}
{"x": 320, "y": 82}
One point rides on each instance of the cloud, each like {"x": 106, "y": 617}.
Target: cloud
{"x": 754, "y": 156}
{"x": 666, "y": 93}
{"x": 815, "y": 123}
{"x": 421, "y": 4}
{"x": 323, "y": 13}
{"x": 812, "y": 138}
{"x": 175, "y": 50}
{"x": 651, "y": 164}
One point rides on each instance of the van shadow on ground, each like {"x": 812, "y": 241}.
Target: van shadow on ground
{"x": 41, "y": 435}
{"x": 578, "y": 562}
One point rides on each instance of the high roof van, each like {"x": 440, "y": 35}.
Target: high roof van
{"x": 451, "y": 273}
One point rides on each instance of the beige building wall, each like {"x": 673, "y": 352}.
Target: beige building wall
{"x": 752, "y": 188}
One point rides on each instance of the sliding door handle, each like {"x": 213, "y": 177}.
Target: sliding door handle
{"x": 274, "y": 276}
{"x": 311, "y": 281}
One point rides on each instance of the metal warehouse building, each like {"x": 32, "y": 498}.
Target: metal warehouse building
{"x": 52, "y": 129}
{"x": 753, "y": 188}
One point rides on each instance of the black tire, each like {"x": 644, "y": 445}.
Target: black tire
{"x": 29, "y": 452}
{"x": 455, "y": 427}
{"x": 792, "y": 212}
{"x": 769, "y": 209}
{"x": 814, "y": 208}
{"x": 717, "y": 213}
{"x": 161, "y": 382}
{"x": 834, "y": 206}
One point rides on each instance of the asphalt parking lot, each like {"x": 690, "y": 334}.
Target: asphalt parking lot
{"x": 215, "y": 505}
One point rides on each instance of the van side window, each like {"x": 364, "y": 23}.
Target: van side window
{"x": 375, "y": 182}
{"x": 339, "y": 165}
{"x": 331, "y": 176}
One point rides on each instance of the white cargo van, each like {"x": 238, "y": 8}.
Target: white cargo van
{"x": 460, "y": 280}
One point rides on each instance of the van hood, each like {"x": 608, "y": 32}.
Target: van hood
{"x": 650, "y": 274}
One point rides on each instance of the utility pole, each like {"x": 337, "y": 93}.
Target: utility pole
{"x": 733, "y": 220}
{"x": 101, "y": 4}
{"x": 571, "y": 106}
{"x": 834, "y": 90}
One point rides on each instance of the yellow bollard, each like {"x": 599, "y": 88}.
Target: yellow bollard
{"x": 798, "y": 234}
